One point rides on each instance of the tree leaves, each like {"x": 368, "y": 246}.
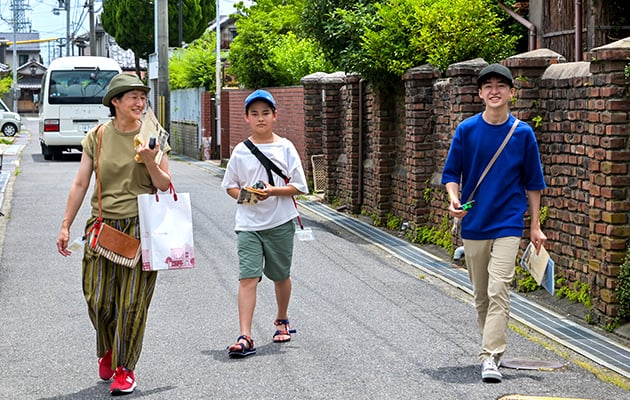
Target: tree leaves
{"x": 132, "y": 22}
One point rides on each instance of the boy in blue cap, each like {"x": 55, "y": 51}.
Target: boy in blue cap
{"x": 492, "y": 230}
{"x": 264, "y": 217}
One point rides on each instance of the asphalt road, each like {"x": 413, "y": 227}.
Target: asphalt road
{"x": 369, "y": 326}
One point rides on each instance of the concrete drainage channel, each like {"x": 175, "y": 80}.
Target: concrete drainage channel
{"x": 579, "y": 339}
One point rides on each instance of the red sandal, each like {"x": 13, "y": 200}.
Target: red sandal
{"x": 244, "y": 351}
{"x": 287, "y": 331}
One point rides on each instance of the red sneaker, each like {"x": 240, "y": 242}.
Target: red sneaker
{"x": 105, "y": 370}
{"x": 124, "y": 382}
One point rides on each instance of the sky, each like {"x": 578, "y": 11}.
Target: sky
{"x": 51, "y": 26}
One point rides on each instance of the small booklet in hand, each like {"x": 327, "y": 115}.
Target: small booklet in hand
{"x": 151, "y": 128}
{"x": 540, "y": 265}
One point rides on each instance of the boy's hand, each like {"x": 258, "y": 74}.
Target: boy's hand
{"x": 455, "y": 208}
{"x": 262, "y": 193}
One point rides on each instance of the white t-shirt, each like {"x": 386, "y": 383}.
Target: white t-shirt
{"x": 244, "y": 169}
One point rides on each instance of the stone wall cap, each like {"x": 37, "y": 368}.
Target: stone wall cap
{"x": 623, "y": 44}
{"x": 568, "y": 70}
{"x": 539, "y": 53}
{"x": 468, "y": 67}
{"x": 322, "y": 77}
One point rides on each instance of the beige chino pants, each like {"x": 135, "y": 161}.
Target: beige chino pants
{"x": 490, "y": 266}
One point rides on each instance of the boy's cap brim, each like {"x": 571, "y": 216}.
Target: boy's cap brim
{"x": 260, "y": 95}
{"x": 496, "y": 70}
{"x": 122, "y": 83}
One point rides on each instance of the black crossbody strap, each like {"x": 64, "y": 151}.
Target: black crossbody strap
{"x": 266, "y": 162}
{"x": 270, "y": 166}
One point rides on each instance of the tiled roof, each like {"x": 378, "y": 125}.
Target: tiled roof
{"x": 30, "y": 83}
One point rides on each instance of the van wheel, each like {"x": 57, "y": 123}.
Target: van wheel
{"x": 48, "y": 155}
{"x": 9, "y": 130}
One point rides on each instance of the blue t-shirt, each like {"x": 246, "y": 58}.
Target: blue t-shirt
{"x": 501, "y": 197}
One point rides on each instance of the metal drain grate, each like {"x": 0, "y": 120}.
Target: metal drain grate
{"x": 319, "y": 173}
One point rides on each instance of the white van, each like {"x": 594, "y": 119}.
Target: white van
{"x": 70, "y": 101}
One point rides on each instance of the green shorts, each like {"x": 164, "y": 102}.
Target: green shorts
{"x": 268, "y": 252}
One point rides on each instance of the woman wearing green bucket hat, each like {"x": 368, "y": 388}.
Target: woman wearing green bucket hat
{"x": 118, "y": 297}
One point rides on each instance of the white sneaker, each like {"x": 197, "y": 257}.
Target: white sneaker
{"x": 490, "y": 371}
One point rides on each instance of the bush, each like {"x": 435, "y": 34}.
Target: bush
{"x": 5, "y": 85}
{"x": 409, "y": 33}
{"x": 194, "y": 66}
{"x": 292, "y": 58}
{"x": 269, "y": 50}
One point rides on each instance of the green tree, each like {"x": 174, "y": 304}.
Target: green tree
{"x": 337, "y": 25}
{"x": 381, "y": 40}
{"x": 293, "y": 58}
{"x": 270, "y": 49}
{"x": 131, "y": 23}
{"x": 194, "y": 66}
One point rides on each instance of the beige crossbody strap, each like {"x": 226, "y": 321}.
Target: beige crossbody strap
{"x": 98, "y": 169}
{"x": 494, "y": 158}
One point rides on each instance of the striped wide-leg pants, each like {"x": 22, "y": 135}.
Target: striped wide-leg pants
{"x": 118, "y": 300}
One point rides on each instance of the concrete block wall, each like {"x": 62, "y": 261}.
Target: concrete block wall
{"x": 184, "y": 139}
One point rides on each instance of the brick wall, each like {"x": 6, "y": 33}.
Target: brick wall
{"x": 234, "y": 129}
{"x": 384, "y": 151}
{"x": 289, "y": 124}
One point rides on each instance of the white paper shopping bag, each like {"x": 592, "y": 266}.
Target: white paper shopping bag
{"x": 166, "y": 231}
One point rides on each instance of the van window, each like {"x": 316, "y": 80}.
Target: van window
{"x": 78, "y": 86}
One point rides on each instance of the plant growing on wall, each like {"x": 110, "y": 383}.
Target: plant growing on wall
{"x": 622, "y": 290}
{"x": 626, "y": 71}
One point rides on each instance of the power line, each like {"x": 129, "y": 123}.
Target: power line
{"x": 19, "y": 22}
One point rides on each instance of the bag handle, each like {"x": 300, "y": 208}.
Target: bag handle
{"x": 171, "y": 190}
{"x": 494, "y": 158}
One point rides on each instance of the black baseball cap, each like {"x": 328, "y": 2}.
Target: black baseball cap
{"x": 496, "y": 70}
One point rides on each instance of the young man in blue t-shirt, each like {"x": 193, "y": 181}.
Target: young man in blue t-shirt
{"x": 492, "y": 229}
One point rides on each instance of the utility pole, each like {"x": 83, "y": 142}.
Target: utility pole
{"x": 20, "y": 24}
{"x": 67, "y": 4}
{"x": 90, "y": 5}
{"x": 64, "y": 5}
{"x": 161, "y": 46}
{"x": 181, "y": 25}
{"x": 15, "y": 60}
{"x": 217, "y": 77}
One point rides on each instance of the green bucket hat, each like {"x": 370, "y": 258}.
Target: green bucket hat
{"x": 122, "y": 83}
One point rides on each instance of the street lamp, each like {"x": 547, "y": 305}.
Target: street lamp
{"x": 64, "y": 5}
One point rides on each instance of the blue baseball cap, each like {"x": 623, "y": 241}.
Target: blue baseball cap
{"x": 260, "y": 95}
